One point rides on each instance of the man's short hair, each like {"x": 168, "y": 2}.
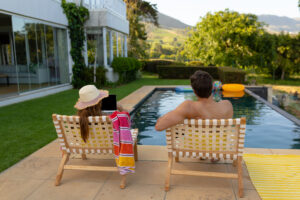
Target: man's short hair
{"x": 201, "y": 82}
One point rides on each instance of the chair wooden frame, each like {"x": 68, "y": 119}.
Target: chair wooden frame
{"x": 100, "y": 141}
{"x": 218, "y": 139}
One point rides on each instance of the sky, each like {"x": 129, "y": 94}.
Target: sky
{"x": 189, "y": 11}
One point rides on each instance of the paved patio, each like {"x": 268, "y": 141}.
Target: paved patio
{"x": 33, "y": 178}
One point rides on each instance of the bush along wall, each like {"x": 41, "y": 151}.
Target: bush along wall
{"x": 127, "y": 68}
{"x": 231, "y": 75}
{"x": 88, "y": 74}
{"x": 76, "y": 16}
{"x": 151, "y": 65}
{"x": 184, "y": 72}
{"x": 224, "y": 74}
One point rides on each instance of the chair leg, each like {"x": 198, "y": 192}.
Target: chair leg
{"x": 170, "y": 162}
{"x": 83, "y": 156}
{"x": 240, "y": 177}
{"x": 234, "y": 163}
{"x": 123, "y": 182}
{"x": 177, "y": 159}
{"x": 135, "y": 152}
{"x": 60, "y": 170}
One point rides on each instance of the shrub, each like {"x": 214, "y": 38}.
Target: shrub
{"x": 151, "y": 65}
{"x": 195, "y": 63}
{"x": 127, "y": 68}
{"x": 184, "y": 72}
{"x": 101, "y": 77}
{"x": 231, "y": 75}
{"x": 224, "y": 74}
{"x": 88, "y": 74}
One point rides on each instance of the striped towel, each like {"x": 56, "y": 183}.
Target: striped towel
{"x": 123, "y": 143}
{"x": 275, "y": 177}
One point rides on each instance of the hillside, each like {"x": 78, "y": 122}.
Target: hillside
{"x": 166, "y": 21}
{"x": 277, "y": 23}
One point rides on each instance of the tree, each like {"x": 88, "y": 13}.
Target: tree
{"x": 224, "y": 38}
{"x": 136, "y": 11}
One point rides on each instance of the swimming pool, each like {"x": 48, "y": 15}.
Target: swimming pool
{"x": 266, "y": 128}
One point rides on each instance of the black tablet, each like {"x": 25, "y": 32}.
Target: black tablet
{"x": 109, "y": 103}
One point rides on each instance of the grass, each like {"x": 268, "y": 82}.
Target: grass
{"x": 27, "y": 126}
{"x": 263, "y": 79}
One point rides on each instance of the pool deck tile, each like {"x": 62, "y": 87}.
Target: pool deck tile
{"x": 33, "y": 177}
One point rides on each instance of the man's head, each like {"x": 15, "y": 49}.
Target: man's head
{"x": 202, "y": 84}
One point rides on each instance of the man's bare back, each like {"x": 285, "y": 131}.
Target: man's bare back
{"x": 203, "y": 108}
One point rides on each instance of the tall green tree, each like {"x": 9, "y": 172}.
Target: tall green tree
{"x": 137, "y": 10}
{"x": 224, "y": 38}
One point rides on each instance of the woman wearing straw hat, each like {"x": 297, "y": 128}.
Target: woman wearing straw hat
{"x": 89, "y": 104}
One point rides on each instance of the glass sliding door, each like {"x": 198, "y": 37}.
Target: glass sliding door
{"x": 22, "y": 53}
{"x": 8, "y": 72}
{"x": 62, "y": 53}
{"x": 115, "y": 44}
{"x": 43, "y": 70}
{"x": 108, "y": 46}
{"x": 50, "y": 54}
{"x": 32, "y": 54}
{"x": 120, "y": 44}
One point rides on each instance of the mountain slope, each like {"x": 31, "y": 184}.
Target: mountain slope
{"x": 166, "y": 21}
{"x": 277, "y": 23}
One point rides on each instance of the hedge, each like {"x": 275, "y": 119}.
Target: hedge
{"x": 224, "y": 74}
{"x": 231, "y": 75}
{"x": 127, "y": 68}
{"x": 184, "y": 72}
{"x": 151, "y": 65}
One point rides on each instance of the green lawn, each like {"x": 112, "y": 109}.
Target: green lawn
{"x": 267, "y": 79}
{"x": 27, "y": 126}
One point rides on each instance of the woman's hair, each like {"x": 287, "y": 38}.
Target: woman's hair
{"x": 84, "y": 122}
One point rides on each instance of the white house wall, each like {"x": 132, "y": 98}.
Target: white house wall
{"x": 47, "y": 10}
{"x": 104, "y": 18}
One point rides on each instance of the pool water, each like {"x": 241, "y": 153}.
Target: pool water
{"x": 266, "y": 128}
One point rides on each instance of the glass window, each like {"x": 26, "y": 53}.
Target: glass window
{"x": 91, "y": 48}
{"x": 42, "y": 55}
{"x": 120, "y": 44}
{"x": 8, "y": 72}
{"x": 50, "y": 54}
{"x": 108, "y": 47}
{"x": 62, "y": 52}
{"x": 34, "y": 73}
{"x": 22, "y": 53}
{"x": 115, "y": 44}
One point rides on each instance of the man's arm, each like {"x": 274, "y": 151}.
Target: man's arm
{"x": 174, "y": 117}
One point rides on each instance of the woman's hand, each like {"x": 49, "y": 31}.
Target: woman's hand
{"x": 120, "y": 108}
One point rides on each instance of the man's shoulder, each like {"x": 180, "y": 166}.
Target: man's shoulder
{"x": 225, "y": 102}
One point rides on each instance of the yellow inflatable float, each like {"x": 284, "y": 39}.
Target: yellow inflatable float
{"x": 233, "y": 90}
{"x": 233, "y": 87}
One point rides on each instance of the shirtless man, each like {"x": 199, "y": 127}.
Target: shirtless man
{"x": 204, "y": 108}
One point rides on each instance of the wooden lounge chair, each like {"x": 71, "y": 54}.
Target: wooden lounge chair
{"x": 100, "y": 141}
{"x": 218, "y": 139}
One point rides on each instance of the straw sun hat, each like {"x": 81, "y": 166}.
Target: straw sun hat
{"x": 89, "y": 95}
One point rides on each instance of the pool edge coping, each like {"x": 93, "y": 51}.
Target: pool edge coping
{"x": 277, "y": 109}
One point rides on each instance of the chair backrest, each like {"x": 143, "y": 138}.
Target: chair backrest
{"x": 100, "y": 138}
{"x": 215, "y": 138}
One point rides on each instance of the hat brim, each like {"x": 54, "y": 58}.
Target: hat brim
{"x": 82, "y": 105}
